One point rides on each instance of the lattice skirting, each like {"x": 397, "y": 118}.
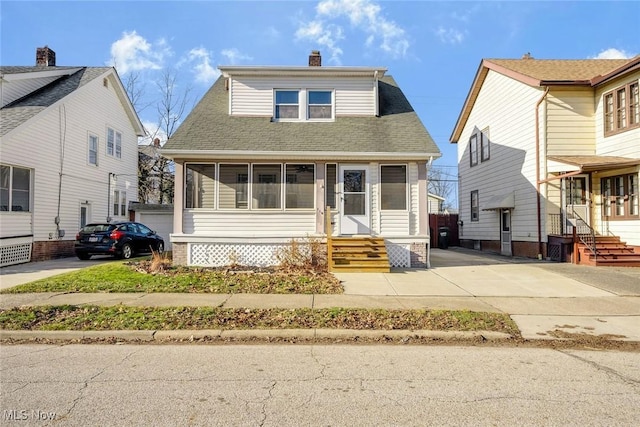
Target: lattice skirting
{"x": 221, "y": 254}
{"x": 399, "y": 255}
{"x": 15, "y": 254}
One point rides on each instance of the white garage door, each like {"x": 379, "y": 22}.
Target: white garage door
{"x": 161, "y": 223}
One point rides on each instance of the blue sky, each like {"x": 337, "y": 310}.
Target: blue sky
{"x": 432, "y": 49}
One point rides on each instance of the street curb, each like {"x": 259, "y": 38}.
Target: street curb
{"x": 190, "y": 334}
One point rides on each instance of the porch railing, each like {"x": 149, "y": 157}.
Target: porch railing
{"x": 583, "y": 231}
{"x": 327, "y": 229}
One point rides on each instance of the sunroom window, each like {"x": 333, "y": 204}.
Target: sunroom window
{"x": 233, "y": 188}
{"x": 15, "y": 189}
{"x": 265, "y": 192}
{"x": 300, "y": 192}
{"x": 200, "y": 186}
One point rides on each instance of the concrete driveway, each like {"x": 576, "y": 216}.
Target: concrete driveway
{"x": 540, "y": 296}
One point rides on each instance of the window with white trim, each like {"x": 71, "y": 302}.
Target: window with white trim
{"x": 114, "y": 143}
{"x": 319, "y": 104}
{"x": 393, "y": 187}
{"x": 287, "y": 104}
{"x": 485, "y": 145}
{"x": 266, "y": 186}
{"x": 200, "y": 186}
{"x": 300, "y": 186}
{"x": 330, "y": 185}
{"x": 15, "y": 189}
{"x": 93, "y": 150}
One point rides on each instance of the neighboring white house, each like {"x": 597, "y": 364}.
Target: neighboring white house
{"x": 268, "y": 148}
{"x": 68, "y": 155}
{"x": 436, "y": 203}
{"x": 546, "y": 145}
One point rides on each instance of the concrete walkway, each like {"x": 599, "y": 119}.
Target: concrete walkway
{"x": 539, "y": 296}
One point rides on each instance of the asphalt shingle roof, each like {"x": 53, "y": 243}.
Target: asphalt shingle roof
{"x": 19, "y": 111}
{"x": 561, "y": 69}
{"x": 398, "y": 129}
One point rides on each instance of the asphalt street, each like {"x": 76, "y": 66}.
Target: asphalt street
{"x": 286, "y": 385}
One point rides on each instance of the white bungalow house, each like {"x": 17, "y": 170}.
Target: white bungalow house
{"x": 268, "y": 149}
{"x": 68, "y": 156}
{"x": 549, "y": 147}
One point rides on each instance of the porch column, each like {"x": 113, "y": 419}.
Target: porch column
{"x": 178, "y": 197}
{"x": 423, "y": 213}
{"x": 320, "y": 190}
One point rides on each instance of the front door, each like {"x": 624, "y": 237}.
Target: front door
{"x": 576, "y": 201}
{"x": 505, "y": 232}
{"x": 355, "y": 212}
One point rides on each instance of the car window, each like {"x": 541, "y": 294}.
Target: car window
{"x": 130, "y": 228}
{"x": 96, "y": 228}
{"x": 144, "y": 229}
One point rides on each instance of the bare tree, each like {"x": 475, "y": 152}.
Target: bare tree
{"x": 442, "y": 184}
{"x": 155, "y": 172}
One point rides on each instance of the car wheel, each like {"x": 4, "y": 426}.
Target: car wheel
{"x": 83, "y": 256}
{"x": 127, "y": 251}
{"x": 160, "y": 247}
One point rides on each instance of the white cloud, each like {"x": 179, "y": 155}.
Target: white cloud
{"x": 363, "y": 15}
{"x": 234, "y": 56}
{"x": 449, "y": 35}
{"x": 200, "y": 61}
{"x": 613, "y": 53}
{"x": 133, "y": 52}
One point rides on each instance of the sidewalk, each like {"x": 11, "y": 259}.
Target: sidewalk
{"x": 539, "y": 296}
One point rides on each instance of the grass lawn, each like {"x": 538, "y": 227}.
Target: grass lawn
{"x": 120, "y": 317}
{"x": 128, "y": 276}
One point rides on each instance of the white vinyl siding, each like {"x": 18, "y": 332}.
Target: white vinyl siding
{"x": 92, "y": 108}
{"x": 249, "y": 224}
{"x": 512, "y": 127}
{"x": 570, "y": 123}
{"x": 255, "y": 96}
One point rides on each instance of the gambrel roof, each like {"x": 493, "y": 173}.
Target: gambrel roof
{"x": 210, "y": 131}
{"x": 545, "y": 72}
{"x": 66, "y": 81}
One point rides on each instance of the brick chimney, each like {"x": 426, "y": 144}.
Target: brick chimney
{"x": 45, "y": 57}
{"x": 156, "y": 142}
{"x": 527, "y": 56}
{"x": 315, "y": 60}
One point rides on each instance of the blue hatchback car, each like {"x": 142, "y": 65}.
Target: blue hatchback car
{"x": 120, "y": 239}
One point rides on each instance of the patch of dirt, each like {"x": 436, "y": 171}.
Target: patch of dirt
{"x": 582, "y": 342}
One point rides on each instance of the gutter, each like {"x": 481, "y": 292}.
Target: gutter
{"x": 538, "y": 181}
{"x": 294, "y": 155}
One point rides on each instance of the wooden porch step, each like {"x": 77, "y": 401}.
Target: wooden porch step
{"x": 359, "y": 254}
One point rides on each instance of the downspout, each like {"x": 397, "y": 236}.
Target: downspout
{"x": 429, "y": 163}
{"x": 538, "y": 180}
{"x": 375, "y": 93}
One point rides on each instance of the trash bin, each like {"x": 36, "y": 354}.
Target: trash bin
{"x": 443, "y": 237}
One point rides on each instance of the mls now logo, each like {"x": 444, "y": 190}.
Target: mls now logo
{"x": 23, "y": 415}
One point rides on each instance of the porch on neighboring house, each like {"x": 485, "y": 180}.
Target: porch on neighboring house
{"x": 598, "y": 222}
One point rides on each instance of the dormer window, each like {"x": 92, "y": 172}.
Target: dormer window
{"x": 303, "y": 105}
{"x": 287, "y": 104}
{"x": 320, "y": 105}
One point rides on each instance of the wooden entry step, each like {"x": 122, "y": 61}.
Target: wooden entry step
{"x": 359, "y": 254}
{"x": 610, "y": 251}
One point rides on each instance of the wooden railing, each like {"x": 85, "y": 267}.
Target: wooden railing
{"x": 328, "y": 231}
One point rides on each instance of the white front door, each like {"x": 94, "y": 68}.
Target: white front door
{"x": 355, "y": 210}
{"x": 576, "y": 201}
{"x": 505, "y": 232}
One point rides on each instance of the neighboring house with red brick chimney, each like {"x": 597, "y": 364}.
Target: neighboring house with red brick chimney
{"x": 68, "y": 156}
{"x": 269, "y": 148}
{"x": 549, "y": 147}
